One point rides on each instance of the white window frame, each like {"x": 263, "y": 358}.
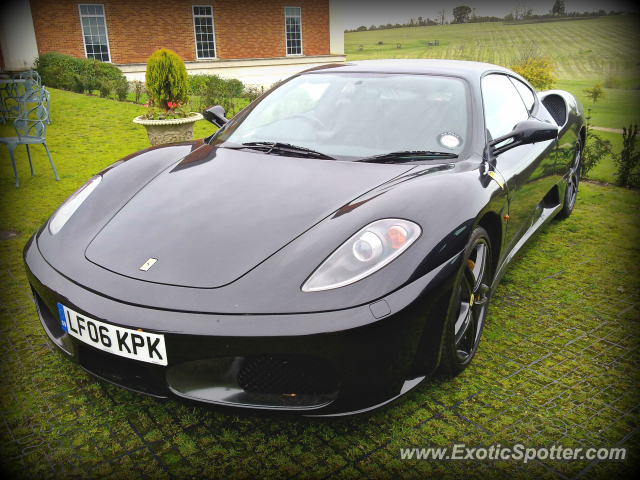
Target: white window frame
{"x": 285, "y": 31}
{"x": 195, "y": 35}
{"x": 106, "y": 31}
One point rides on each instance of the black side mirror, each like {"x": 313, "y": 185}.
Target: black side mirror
{"x": 525, "y": 132}
{"x": 215, "y": 115}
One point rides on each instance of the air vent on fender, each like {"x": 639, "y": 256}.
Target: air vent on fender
{"x": 557, "y": 108}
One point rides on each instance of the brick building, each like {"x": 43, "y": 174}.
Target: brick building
{"x": 257, "y": 41}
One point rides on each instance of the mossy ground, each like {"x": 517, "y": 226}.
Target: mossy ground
{"x": 558, "y": 362}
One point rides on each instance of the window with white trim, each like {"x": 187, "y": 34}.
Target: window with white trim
{"x": 94, "y": 32}
{"x": 293, "y": 30}
{"x": 203, "y": 27}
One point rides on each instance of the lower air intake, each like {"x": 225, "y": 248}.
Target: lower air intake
{"x": 287, "y": 375}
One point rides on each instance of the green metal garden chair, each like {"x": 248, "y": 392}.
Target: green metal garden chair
{"x": 29, "y": 75}
{"x": 31, "y": 127}
{"x": 9, "y": 103}
{"x": 25, "y": 87}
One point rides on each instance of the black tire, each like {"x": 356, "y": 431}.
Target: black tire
{"x": 468, "y": 306}
{"x": 571, "y": 190}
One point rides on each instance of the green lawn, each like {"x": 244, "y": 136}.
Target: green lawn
{"x": 619, "y": 108}
{"x": 558, "y": 362}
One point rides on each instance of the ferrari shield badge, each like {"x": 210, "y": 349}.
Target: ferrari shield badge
{"x": 148, "y": 264}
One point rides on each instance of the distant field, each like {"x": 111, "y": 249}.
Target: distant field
{"x": 606, "y": 43}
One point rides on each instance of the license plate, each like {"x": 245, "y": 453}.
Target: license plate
{"x": 124, "y": 342}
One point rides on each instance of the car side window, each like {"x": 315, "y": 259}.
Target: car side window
{"x": 525, "y": 92}
{"x": 503, "y": 106}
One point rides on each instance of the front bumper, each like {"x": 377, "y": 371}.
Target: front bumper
{"x": 342, "y": 361}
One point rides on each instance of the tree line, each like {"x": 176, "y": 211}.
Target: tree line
{"x": 465, "y": 14}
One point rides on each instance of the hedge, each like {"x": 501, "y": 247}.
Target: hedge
{"x": 79, "y": 75}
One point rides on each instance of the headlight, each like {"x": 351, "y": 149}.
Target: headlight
{"x": 71, "y": 204}
{"x": 366, "y": 252}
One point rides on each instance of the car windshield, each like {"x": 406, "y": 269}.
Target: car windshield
{"x": 355, "y": 116}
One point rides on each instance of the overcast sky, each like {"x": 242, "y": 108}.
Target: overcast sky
{"x": 377, "y": 12}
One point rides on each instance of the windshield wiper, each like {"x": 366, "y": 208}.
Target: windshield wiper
{"x": 406, "y": 156}
{"x": 275, "y": 147}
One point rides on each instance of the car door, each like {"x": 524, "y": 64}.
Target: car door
{"x": 525, "y": 168}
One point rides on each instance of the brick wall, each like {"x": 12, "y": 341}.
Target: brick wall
{"x": 243, "y": 28}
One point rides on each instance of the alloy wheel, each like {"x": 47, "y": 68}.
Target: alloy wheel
{"x": 473, "y": 299}
{"x": 574, "y": 180}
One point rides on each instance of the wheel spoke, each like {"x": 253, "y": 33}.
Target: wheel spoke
{"x": 463, "y": 322}
{"x": 475, "y": 269}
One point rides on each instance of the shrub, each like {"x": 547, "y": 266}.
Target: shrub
{"x": 77, "y": 84}
{"x": 137, "y": 87}
{"x": 235, "y": 87}
{"x": 593, "y": 150}
{"x": 536, "y": 67}
{"x": 89, "y": 82}
{"x": 251, "y": 92}
{"x": 166, "y": 78}
{"x": 197, "y": 83}
{"x": 57, "y": 70}
{"x": 611, "y": 80}
{"x": 208, "y": 90}
{"x": 121, "y": 89}
{"x": 76, "y": 74}
{"x": 105, "y": 87}
{"x": 628, "y": 160}
{"x": 538, "y": 71}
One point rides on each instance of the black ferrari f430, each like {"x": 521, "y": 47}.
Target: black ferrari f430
{"x": 321, "y": 253}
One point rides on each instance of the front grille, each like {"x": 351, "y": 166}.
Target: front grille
{"x": 124, "y": 373}
{"x": 557, "y": 108}
{"x": 287, "y": 375}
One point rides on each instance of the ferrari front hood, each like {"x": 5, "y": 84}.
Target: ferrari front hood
{"x": 219, "y": 213}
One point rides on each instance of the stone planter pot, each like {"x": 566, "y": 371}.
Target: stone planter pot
{"x": 169, "y": 131}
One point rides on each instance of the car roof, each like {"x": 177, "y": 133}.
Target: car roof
{"x": 460, "y": 68}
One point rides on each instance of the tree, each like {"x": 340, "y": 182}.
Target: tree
{"x": 528, "y": 12}
{"x": 595, "y": 93}
{"x": 558, "y": 7}
{"x": 442, "y": 14}
{"x": 461, "y": 14}
{"x": 361, "y": 29}
{"x": 516, "y": 11}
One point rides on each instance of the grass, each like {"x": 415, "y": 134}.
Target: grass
{"x": 585, "y": 49}
{"x": 619, "y": 108}
{"x": 557, "y": 363}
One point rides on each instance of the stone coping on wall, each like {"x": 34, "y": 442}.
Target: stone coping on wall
{"x": 241, "y": 62}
